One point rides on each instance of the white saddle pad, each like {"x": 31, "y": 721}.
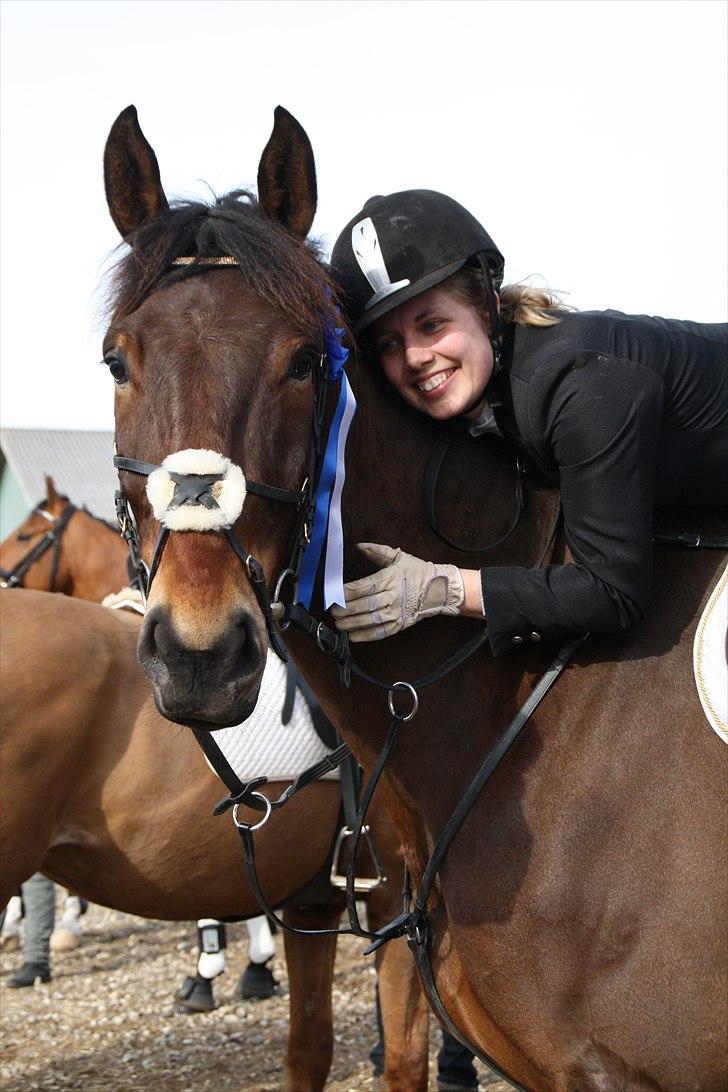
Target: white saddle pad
{"x": 262, "y": 745}
{"x": 710, "y": 659}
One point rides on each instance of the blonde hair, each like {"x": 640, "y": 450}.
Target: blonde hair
{"x": 520, "y": 303}
{"x": 528, "y": 306}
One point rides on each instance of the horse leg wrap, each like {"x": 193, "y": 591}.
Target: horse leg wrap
{"x": 10, "y": 930}
{"x": 211, "y": 942}
{"x": 13, "y": 916}
{"x": 71, "y": 917}
{"x": 261, "y": 946}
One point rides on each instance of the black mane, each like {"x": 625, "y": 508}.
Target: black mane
{"x": 285, "y": 271}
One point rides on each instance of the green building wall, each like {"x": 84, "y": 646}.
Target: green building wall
{"x": 14, "y": 506}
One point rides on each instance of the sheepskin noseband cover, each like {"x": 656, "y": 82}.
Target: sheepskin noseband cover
{"x": 196, "y": 490}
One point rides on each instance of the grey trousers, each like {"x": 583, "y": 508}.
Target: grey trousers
{"x": 39, "y": 900}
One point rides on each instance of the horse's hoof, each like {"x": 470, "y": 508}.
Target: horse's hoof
{"x": 64, "y": 940}
{"x": 9, "y": 942}
{"x": 195, "y": 995}
{"x": 256, "y": 982}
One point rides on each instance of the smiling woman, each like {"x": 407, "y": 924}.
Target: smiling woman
{"x": 624, "y": 413}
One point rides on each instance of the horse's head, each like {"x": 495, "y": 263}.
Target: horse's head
{"x": 31, "y": 556}
{"x": 216, "y": 331}
{"x": 63, "y": 548}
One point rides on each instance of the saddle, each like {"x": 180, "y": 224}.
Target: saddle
{"x": 710, "y": 658}
{"x": 710, "y": 645}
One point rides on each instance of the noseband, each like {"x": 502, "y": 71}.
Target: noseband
{"x": 13, "y": 578}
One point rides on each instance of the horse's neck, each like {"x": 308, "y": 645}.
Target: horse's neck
{"x": 462, "y": 715}
{"x": 93, "y": 559}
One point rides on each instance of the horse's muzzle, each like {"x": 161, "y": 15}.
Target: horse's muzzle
{"x": 203, "y": 688}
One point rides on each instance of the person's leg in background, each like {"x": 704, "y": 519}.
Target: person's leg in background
{"x": 39, "y": 901}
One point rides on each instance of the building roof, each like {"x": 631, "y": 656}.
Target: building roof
{"x": 79, "y": 462}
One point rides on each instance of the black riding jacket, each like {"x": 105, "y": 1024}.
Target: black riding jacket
{"x": 624, "y": 413}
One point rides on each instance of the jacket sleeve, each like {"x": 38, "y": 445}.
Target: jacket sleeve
{"x": 600, "y": 421}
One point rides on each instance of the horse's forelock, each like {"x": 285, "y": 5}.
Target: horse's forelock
{"x": 283, "y": 270}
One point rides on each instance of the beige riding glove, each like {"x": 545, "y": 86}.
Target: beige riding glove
{"x": 398, "y": 595}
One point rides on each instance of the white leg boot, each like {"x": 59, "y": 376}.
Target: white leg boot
{"x": 257, "y": 980}
{"x": 10, "y": 936}
{"x": 67, "y": 934}
{"x": 195, "y": 994}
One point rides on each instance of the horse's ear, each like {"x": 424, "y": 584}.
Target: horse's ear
{"x": 51, "y": 493}
{"x": 287, "y": 176}
{"x": 131, "y": 175}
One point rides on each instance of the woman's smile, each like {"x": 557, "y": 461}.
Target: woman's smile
{"x": 433, "y": 385}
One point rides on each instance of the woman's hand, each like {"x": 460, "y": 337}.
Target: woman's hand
{"x": 401, "y": 593}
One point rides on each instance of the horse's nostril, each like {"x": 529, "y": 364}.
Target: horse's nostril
{"x": 247, "y": 654}
{"x": 156, "y": 639}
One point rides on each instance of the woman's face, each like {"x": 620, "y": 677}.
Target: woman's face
{"x": 436, "y": 351}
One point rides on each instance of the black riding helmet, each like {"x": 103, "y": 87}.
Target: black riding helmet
{"x": 400, "y": 245}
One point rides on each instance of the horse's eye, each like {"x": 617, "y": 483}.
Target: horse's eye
{"x": 23, "y": 538}
{"x": 302, "y": 363}
{"x": 118, "y": 369}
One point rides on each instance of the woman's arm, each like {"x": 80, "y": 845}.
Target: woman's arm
{"x": 602, "y": 421}
{"x": 472, "y": 604}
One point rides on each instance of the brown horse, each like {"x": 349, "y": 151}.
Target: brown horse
{"x": 577, "y": 926}
{"x": 62, "y": 548}
{"x": 114, "y": 806}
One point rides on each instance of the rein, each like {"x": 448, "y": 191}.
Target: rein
{"x": 13, "y": 578}
{"x": 432, "y": 475}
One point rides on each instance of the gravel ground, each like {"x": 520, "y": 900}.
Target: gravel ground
{"x": 107, "y": 1021}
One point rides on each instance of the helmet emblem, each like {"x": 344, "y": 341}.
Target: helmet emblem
{"x": 368, "y": 253}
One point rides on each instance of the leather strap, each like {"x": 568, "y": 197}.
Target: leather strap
{"x": 270, "y": 492}
{"x": 422, "y": 962}
{"x": 691, "y": 539}
{"x": 432, "y": 474}
{"x": 473, "y": 791}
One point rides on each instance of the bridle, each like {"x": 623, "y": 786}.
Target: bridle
{"x": 195, "y": 490}
{"x": 13, "y": 578}
{"x": 192, "y": 491}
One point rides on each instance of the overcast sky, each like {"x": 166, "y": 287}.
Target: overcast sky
{"x": 589, "y": 138}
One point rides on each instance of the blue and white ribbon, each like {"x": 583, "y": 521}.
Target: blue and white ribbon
{"x": 327, "y": 528}
{"x": 334, "y": 566}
